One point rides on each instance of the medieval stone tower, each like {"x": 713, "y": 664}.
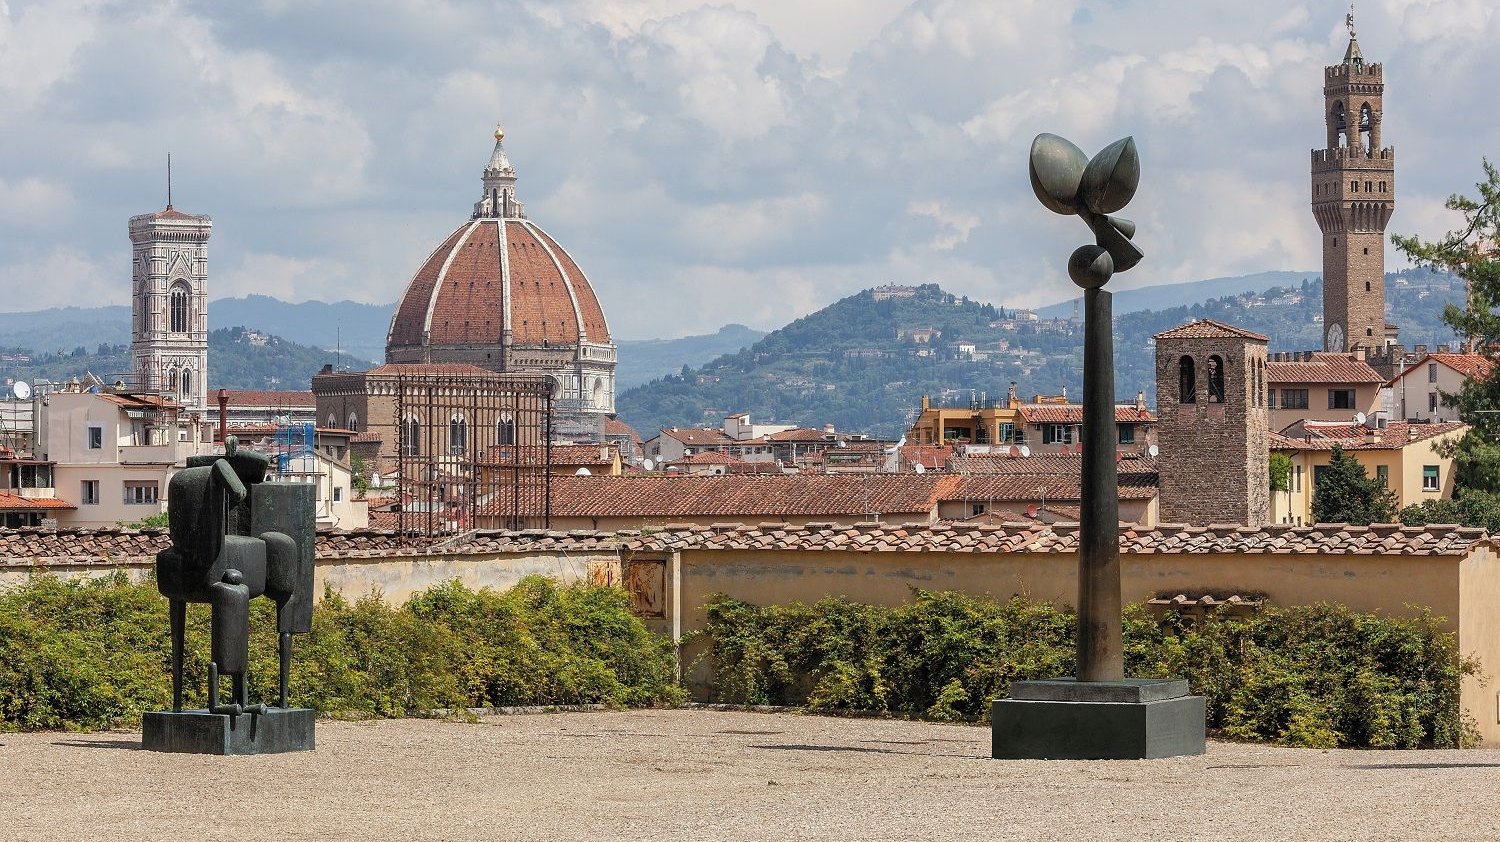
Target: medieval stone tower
{"x": 1353, "y": 195}
{"x": 1213, "y": 426}
{"x": 169, "y": 304}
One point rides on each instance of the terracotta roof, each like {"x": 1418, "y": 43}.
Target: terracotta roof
{"x": 1471, "y": 366}
{"x": 1324, "y": 367}
{"x": 615, "y": 427}
{"x": 709, "y": 458}
{"x": 799, "y": 434}
{"x": 698, "y": 436}
{"x": 1308, "y": 435}
{"x": 1027, "y": 487}
{"x": 562, "y": 454}
{"x": 740, "y": 496}
{"x": 260, "y": 398}
{"x": 1209, "y": 329}
{"x": 930, "y": 456}
{"x": 18, "y": 547}
{"x": 429, "y": 369}
{"x": 1043, "y": 464}
{"x": 1072, "y": 413}
{"x": 16, "y": 503}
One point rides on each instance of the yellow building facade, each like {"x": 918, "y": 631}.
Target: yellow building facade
{"x": 1404, "y": 456}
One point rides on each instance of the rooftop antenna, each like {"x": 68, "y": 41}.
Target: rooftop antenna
{"x": 169, "y": 181}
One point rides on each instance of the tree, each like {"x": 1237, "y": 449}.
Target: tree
{"x": 1281, "y": 471}
{"x": 1474, "y": 508}
{"x": 1473, "y": 253}
{"x": 1346, "y": 494}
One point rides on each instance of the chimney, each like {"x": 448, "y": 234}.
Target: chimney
{"x": 1443, "y": 349}
{"x": 828, "y": 429}
{"x": 1065, "y": 393}
{"x": 327, "y": 368}
{"x": 1421, "y": 349}
{"x": 1010, "y": 395}
{"x": 1140, "y": 401}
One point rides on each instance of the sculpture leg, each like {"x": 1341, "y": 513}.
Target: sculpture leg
{"x": 284, "y": 648}
{"x": 177, "y": 610}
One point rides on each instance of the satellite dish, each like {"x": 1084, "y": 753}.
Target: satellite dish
{"x": 583, "y": 472}
{"x": 648, "y": 465}
{"x": 1153, "y": 451}
{"x": 1025, "y": 451}
{"x": 22, "y": 390}
{"x": 918, "y": 468}
{"x": 1359, "y": 419}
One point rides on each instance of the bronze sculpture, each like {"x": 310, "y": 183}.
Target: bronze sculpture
{"x": 235, "y": 537}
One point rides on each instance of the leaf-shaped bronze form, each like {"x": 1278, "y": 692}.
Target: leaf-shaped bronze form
{"x": 1057, "y": 168}
{"x": 1110, "y": 179}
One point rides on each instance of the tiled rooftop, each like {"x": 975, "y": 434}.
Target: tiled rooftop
{"x": 1209, "y": 329}
{"x": 1396, "y": 435}
{"x": 1322, "y": 368}
{"x": 264, "y": 398}
{"x": 105, "y": 545}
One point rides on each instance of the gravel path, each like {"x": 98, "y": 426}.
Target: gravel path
{"x": 706, "y": 775}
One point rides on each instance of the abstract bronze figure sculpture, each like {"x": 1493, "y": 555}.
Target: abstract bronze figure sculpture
{"x": 1099, "y": 713}
{"x": 235, "y": 537}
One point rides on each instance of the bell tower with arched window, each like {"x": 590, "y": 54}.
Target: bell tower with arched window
{"x": 1213, "y": 426}
{"x": 1353, "y": 196}
{"x": 169, "y": 305}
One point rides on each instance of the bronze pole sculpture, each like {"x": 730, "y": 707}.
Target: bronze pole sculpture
{"x": 1098, "y": 713}
{"x": 1068, "y": 182}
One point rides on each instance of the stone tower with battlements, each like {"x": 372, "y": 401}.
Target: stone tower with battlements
{"x": 1353, "y": 195}
{"x": 169, "y": 305}
{"x": 1212, "y": 425}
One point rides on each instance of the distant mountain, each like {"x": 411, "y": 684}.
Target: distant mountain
{"x": 359, "y": 328}
{"x": 647, "y": 359}
{"x": 864, "y": 364}
{"x": 239, "y": 358}
{"x": 1165, "y": 296}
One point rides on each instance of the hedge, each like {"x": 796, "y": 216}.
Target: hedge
{"x": 1319, "y": 675}
{"x": 96, "y": 653}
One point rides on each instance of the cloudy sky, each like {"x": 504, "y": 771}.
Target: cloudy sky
{"x": 741, "y": 161}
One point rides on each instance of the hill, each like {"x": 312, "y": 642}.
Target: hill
{"x": 642, "y": 360}
{"x": 864, "y": 364}
{"x": 239, "y": 358}
{"x": 1166, "y": 296}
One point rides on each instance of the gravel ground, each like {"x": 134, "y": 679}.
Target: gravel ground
{"x": 709, "y": 775}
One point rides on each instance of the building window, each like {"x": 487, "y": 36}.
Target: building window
{"x": 1432, "y": 372}
{"x": 505, "y": 429}
{"x": 354, "y": 422}
{"x": 90, "y": 493}
{"x": 1367, "y": 283}
{"x": 139, "y": 492}
{"x": 179, "y": 308}
{"x": 1318, "y": 472}
{"x": 1432, "y": 401}
{"x": 411, "y": 431}
{"x": 1383, "y": 475}
{"x": 1340, "y": 398}
{"x": 187, "y": 383}
{"x": 1127, "y": 433}
{"x": 1007, "y": 434}
{"x": 95, "y": 437}
{"x": 1294, "y": 399}
{"x": 1215, "y": 379}
{"x": 1430, "y": 480}
{"x": 1297, "y": 479}
{"x": 1057, "y": 433}
{"x": 458, "y": 435}
{"x": 1354, "y": 187}
{"x": 1383, "y": 188}
{"x": 1187, "y": 381}
{"x": 976, "y": 509}
{"x": 338, "y": 493}
{"x": 1369, "y": 188}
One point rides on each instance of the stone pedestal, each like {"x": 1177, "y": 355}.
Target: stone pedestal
{"x": 1065, "y": 719}
{"x": 201, "y": 732}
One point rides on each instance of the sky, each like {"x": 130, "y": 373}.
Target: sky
{"x": 704, "y": 163}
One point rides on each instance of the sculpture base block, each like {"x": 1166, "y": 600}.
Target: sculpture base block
{"x": 1064, "y": 719}
{"x": 201, "y": 732}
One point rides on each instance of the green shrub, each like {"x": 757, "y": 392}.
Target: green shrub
{"x": 95, "y": 653}
{"x": 1318, "y": 675}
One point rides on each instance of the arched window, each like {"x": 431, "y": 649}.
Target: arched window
{"x": 1365, "y": 126}
{"x": 1338, "y": 126}
{"x": 411, "y": 434}
{"x": 353, "y": 422}
{"x": 458, "y": 435}
{"x": 1187, "y": 381}
{"x": 333, "y": 420}
{"x": 179, "y": 307}
{"x": 505, "y": 429}
{"x": 172, "y": 380}
{"x": 187, "y": 382}
{"x": 1215, "y": 379}
{"x": 598, "y": 391}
